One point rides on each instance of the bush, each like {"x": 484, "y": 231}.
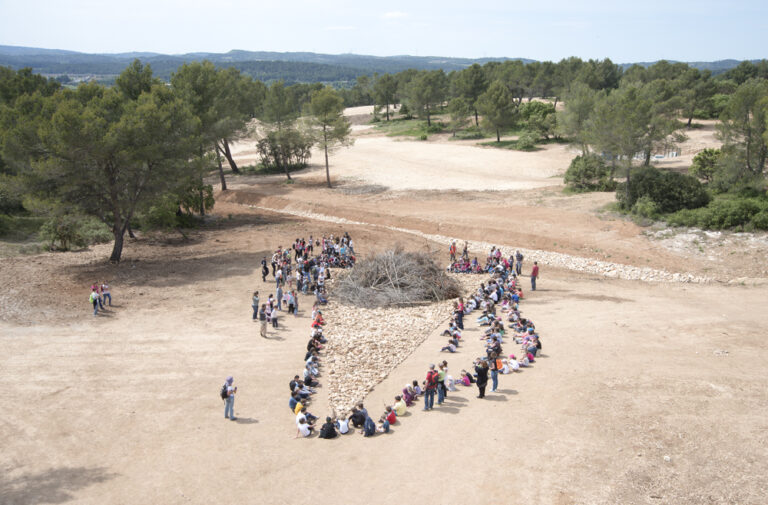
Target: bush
{"x": 588, "y": 173}
{"x": 527, "y": 141}
{"x": 436, "y": 127}
{"x": 645, "y": 207}
{"x": 727, "y": 211}
{"x": 670, "y": 191}
{"x": 423, "y": 136}
{"x": 71, "y": 230}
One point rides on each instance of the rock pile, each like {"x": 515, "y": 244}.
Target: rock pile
{"x": 364, "y": 345}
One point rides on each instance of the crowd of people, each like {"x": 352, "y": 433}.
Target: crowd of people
{"x": 495, "y": 262}
{"x": 496, "y": 303}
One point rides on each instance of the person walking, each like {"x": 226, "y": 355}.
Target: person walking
{"x": 264, "y": 269}
{"x": 229, "y": 402}
{"x": 431, "y": 387}
{"x": 94, "y": 299}
{"x": 263, "y": 320}
{"x": 279, "y": 296}
{"x": 255, "y": 305}
{"x": 534, "y": 275}
{"x": 442, "y": 391}
{"x": 482, "y": 377}
{"x": 105, "y": 293}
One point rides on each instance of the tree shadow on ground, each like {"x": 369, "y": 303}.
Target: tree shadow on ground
{"x": 50, "y": 486}
{"x": 173, "y": 271}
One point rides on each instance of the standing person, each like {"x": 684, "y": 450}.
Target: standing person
{"x": 534, "y": 275}
{"x": 274, "y": 262}
{"x": 105, "y": 292}
{"x": 452, "y": 251}
{"x": 482, "y": 377}
{"x": 518, "y": 262}
{"x": 94, "y": 299}
{"x": 442, "y": 392}
{"x": 264, "y": 269}
{"x": 459, "y": 312}
{"x": 255, "y": 305}
{"x": 295, "y": 303}
{"x": 229, "y": 402}
{"x": 273, "y": 316}
{"x": 279, "y": 296}
{"x": 494, "y": 372}
{"x": 263, "y": 320}
{"x": 465, "y": 251}
{"x": 291, "y": 302}
{"x": 278, "y": 277}
{"x": 431, "y": 387}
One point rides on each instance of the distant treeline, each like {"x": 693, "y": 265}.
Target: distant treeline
{"x": 299, "y": 67}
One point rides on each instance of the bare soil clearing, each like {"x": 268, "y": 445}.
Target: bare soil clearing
{"x": 647, "y": 393}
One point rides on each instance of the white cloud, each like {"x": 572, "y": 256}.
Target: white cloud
{"x": 394, "y": 15}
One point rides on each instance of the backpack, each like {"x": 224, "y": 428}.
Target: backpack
{"x": 223, "y": 393}
{"x": 432, "y": 380}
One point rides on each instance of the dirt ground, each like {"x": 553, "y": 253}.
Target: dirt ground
{"x": 647, "y": 393}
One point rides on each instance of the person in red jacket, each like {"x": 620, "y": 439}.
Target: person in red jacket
{"x": 430, "y": 388}
{"x": 534, "y": 275}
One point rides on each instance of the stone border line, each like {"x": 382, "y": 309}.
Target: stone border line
{"x": 554, "y": 259}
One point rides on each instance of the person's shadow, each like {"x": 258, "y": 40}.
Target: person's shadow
{"x": 246, "y": 420}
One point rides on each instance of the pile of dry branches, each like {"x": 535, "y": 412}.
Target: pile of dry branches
{"x": 395, "y": 278}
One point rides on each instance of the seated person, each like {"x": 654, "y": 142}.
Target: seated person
{"x": 451, "y": 347}
{"x": 328, "y": 430}
{"x": 390, "y": 415}
{"x": 399, "y": 406}
{"x": 343, "y": 425}
{"x": 383, "y": 425}
{"x": 357, "y": 418}
{"x": 303, "y": 429}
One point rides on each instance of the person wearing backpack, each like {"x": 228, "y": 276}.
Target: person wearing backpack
{"x": 430, "y": 388}
{"x": 518, "y": 262}
{"x": 94, "y": 299}
{"x": 228, "y": 395}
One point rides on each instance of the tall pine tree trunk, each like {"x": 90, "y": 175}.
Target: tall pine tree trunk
{"x": 221, "y": 171}
{"x": 325, "y": 145}
{"x": 498, "y": 135}
{"x": 228, "y": 155}
{"x": 387, "y": 111}
{"x": 118, "y": 230}
{"x": 477, "y": 121}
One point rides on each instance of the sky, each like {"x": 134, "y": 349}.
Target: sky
{"x": 640, "y": 30}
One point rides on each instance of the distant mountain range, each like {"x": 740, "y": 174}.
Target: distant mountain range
{"x": 263, "y": 65}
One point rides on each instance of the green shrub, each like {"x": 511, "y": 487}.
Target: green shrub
{"x": 646, "y": 207}
{"x": 527, "y": 141}
{"x": 436, "y": 127}
{"x": 423, "y": 136}
{"x": 588, "y": 173}
{"x": 760, "y": 220}
{"x": 725, "y": 212}
{"x": 670, "y": 191}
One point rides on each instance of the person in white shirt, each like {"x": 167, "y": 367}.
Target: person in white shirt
{"x": 343, "y": 425}
{"x": 302, "y": 428}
